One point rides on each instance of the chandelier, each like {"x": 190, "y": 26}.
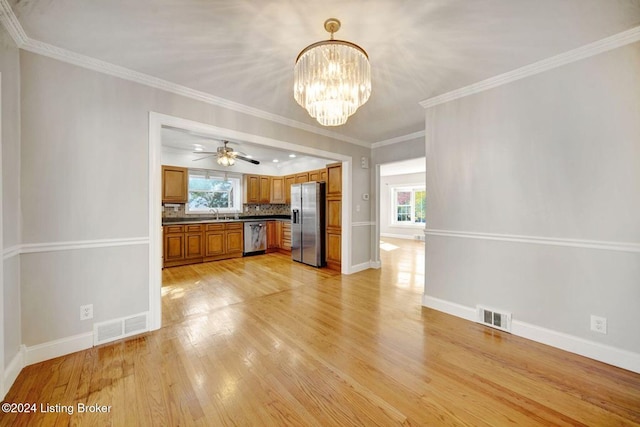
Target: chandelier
{"x": 332, "y": 78}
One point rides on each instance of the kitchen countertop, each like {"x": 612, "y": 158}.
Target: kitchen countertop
{"x": 177, "y": 221}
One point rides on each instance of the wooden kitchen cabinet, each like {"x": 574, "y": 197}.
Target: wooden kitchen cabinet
{"x": 174, "y": 184}
{"x": 257, "y": 189}
{"x": 251, "y": 189}
{"x": 319, "y": 175}
{"x": 265, "y": 189}
{"x": 214, "y": 240}
{"x": 288, "y": 181}
{"x": 234, "y": 239}
{"x": 193, "y": 242}
{"x": 285, "y": 244}
{"x": 173, "y": 244}
{"x": 334, "y": 179}
{"x": 223, "y": 240}
{"x": 302, "y": 177}
{"x": 278, "y": 194}
{"x": 272, "y": 237}
{"x": 334, "y": 216}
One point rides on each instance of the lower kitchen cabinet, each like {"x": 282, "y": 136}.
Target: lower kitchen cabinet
{"x": 234, "y": 236}
{"x": 173, "y": 245}
{"x": 285, "y": 244}
{"x": 223, "y": 240}
{"x": 195, "y": 243}
{"x": 214, "y": 240}
{"x": 279, "y": 236}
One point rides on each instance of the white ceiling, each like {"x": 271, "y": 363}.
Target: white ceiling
{"x": 404, "y": 167}
{"x": 190, "y": 141}
{"x": 244, "y": 51}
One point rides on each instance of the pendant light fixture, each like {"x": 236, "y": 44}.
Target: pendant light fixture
{"x": 332, "y": 78}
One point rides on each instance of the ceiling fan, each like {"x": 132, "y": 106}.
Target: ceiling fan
{"x": 226, "y": 155}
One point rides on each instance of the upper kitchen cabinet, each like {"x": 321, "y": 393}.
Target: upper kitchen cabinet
{"x": 174, "y": 184}
{"x": 257, "y": 189}
{"x": 288, "y": 181}
{"x": 278, "y": 193}
{"x": 251, "y": 189}
{"x": 302, "y": 177}
{"x": 334, "y": 216}
{"x": 319, "y": 175}
{"x": 265, "y": 189}
{"x": 334, "y": 179}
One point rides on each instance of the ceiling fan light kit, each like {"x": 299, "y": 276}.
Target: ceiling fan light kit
{"x": 226, "y": 156}
{"x": 332, "y": 78}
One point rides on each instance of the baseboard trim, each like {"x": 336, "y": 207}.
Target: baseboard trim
{"x": 13, "y": 370}
{"x": 360, "y": 267}
{"x": 402, "y": 236}
{"x": 448, "y": 307}
{"x": 57, "y": 348}
{"x": 603, "y": 353}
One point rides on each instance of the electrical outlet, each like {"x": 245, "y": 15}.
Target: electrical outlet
{"x": 86, "y": 312}
{"x": 599, "y": 324}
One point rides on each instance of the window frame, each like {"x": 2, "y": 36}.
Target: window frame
{"x": 413, "y": 188}
{"x": 236, "y": 180}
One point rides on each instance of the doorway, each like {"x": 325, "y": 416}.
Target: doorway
{"x": 156, "y": 122}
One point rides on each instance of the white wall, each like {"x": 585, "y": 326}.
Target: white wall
{"x": 387, "y": 228}
{"x": 554, "y": 157}
{"x": 10, "y": 333}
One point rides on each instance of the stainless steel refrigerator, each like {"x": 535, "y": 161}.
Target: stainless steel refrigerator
{"x": 308, "y": 223}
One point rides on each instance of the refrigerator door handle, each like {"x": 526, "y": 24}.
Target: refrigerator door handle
{"x": 295, "y": 217}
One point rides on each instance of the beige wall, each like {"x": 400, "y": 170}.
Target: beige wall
{"x": 553, "y": 156}
{"x": 10, "y": 334}
{"x": 85, "y": 177}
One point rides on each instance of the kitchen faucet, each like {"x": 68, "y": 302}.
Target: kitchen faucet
{"x": 216, "y": 212}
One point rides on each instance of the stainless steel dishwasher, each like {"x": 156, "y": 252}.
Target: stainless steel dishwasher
{"x": 255, "y": 237}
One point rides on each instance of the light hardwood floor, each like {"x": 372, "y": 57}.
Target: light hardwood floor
{"x": 263, "y": 341}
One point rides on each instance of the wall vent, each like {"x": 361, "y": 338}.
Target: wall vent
{"x": 116, "y": 329}
{"x": 494, "y": 318}
{"x": 419, "y": 236}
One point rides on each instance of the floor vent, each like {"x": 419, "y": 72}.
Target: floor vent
{"x": 494, "y": 318}
{"x": 116, "y": 329}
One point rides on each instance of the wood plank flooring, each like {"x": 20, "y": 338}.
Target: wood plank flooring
{"x": 263, "y": 341}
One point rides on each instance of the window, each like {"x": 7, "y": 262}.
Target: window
{"x": 409, "y": 205}
{"x": 212, "y": 190}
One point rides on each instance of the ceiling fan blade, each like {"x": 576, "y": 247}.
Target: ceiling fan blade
{"x": 246, "y": 159}
{"x": 205, "y": 157}
{"x": 204, "y": 152}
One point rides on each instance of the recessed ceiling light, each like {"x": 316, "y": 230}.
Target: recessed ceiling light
{"x": 292, "y": 155}
{"x": 275, "y": 160}
{"x": 198, "y": 147}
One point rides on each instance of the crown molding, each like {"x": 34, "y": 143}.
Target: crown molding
{"x": 15, "y": 30}
{"x": 398, "y": 139}
{"x": 11, "y": 23}
{"x": 586, "y": 51}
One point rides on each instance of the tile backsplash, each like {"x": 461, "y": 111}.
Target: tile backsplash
{"x": 177, "y": 211}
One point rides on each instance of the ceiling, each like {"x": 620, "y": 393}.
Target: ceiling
{"x": 244, "y": 51}
{"x": 191, "y": 141}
